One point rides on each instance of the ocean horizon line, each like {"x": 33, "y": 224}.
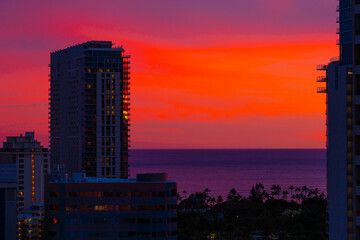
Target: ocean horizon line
{"x": 227, "y": 148}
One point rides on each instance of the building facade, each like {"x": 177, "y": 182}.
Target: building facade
{"x": 31, "y": 161}
{"x": 8, "y": 208}
{"x": 105, "y": 208}
{"x": 342, "y": 87}
{"x": 30, "y": 223}
{"x": 89, "y": 109}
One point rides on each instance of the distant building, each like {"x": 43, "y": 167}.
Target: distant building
{"x": 31, "y": 161}
{"x": 89, "y": 109}
{"x": 8, "y": 209}
{"x": 104, "y": 208}
{"x": 342, "y": 86}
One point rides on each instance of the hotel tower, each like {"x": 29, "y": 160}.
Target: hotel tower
{"x": 89, "y": 109}
{"x": 341, "y": 83}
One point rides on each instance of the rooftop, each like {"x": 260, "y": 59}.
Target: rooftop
{"x": 99, "y": 45}
{"x": 81, "y": 178}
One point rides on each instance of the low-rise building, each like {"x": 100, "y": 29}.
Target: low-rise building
{"x": 107, "y": 208}
{"x": 30, "y": 223}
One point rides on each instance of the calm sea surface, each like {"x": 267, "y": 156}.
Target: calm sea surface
{"x": 221, "y": 170}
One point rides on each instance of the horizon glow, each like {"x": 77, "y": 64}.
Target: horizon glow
{"x": 204, "y": 74}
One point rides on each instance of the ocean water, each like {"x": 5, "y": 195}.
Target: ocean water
{"x": 221, "y": 170}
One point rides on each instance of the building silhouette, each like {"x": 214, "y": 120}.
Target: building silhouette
{"x": 89, "y": 109}
{"x": 83, "y": 207}
{"x": 342, "y": 80}
{"x": 8, "y": 204}
{"x": 31, "y": 161}
{"x": 23, "y": 163}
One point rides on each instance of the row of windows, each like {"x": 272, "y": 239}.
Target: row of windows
{"x": 115, "y": 234}
{"x": 109, "y": 219}
{"x": 112, "y": 194}
{"x": 113, "y": 207}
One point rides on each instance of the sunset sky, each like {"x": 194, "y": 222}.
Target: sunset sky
{"x": 204, "y": 73}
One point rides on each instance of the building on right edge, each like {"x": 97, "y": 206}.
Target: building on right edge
{"x": 342, "y": 79}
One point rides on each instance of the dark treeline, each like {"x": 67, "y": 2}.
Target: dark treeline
{"x": 292, "y": 214}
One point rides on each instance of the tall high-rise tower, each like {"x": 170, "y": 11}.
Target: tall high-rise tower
{"x": 89, "y": 109}
{"x": 342, "y": 78}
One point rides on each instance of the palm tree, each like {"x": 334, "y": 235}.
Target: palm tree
{"x": 285, "y": 194}
{"x": 316, "y": 192}
{"x": 219, "y": 199}
{"x": 276, "y": 190}
{"x": 322, "y": 195}
{"x": 184, "y": 194}
{"x": 304, "y": 192}
{"x": 232, "y": 194}
{"x": 266, "y": 195}
{"x": 257, "y": 193}
{"x": 291, "y": 188}
{"x": 212, "y": 201}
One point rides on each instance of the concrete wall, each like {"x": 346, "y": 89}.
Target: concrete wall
{"x": 336, "y": 153}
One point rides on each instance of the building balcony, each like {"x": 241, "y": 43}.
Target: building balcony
{"x": 321, "y": 79}
{"x": 339, "y": 31}
{"x": 321, "y": 90}
{"x": 338, "y": 19}
{"x": 335, "y": 59}
{"x": 321, "y": 67}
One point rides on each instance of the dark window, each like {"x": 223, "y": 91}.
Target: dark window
{"x": 143, "y": 220}
{"x": 54, "y": 194}
{"x": 143, "y": 207}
